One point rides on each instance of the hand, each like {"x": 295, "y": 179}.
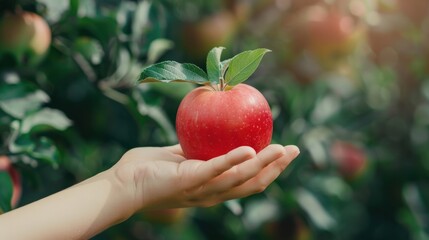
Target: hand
{"x": 146, "y": 178}
{"x": 161, "y": 177}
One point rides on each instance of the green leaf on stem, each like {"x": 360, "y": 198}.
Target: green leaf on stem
{"x": 214, "y": 67}
{"x": 171, "y": 71}
{"x": 224, "y": 65}
{"x": 243, "y": 65}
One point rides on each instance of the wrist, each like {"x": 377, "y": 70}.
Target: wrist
{"x": 123, "y": 188}
{"x": 123, "y": 176}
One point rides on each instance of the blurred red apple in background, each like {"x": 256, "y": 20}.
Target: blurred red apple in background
{"x": 24, "y": 34}
{"x": 211, "y": 31}
{"x": 328, "y": 34}
{"x": 350, "y": 159}
{"x": 318, "y": 39}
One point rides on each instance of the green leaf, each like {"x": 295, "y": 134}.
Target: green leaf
{"x": 46, "y": 151}
{"x": 158, "y": 47}
{"x": 224, "y": 65}
{"x": 174, "y": 90}
{"x": 140, "y": 26}
{"x": 243, "y": 65}
{"x": 18, "y": 100}
{"x": 74, "y": 7}
{"x": 6, "y": 190}
{"x": 156, "y": 113}
{"x": 171, "y": 71}
{"x": 214, "y": 66}
{"x": 20, "y": 106}
{"x": 319, "y": 215}
{"x": 55, "y": 9}
{"x": 90, "y": 49}
{"x": 42, "y": 149}
{"x": 47, "y": 117}
{"x": 102, "y": 28}
{"x": 21, "y": 144}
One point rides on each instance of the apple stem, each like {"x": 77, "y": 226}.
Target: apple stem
{"x": 222, "y": 84}
{"x": 218, "y": 87}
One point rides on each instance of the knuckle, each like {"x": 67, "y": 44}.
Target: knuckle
{"x": 260, "y": 186}
{"x": 241, "y": 180}
{"x": 218, "y": 169}
{"x": 240, "y": 177}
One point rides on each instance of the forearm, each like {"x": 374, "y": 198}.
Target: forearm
{"x": 78, "y": 212}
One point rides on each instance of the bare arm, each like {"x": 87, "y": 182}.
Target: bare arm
{"x": 78, "y": 212}
{"x": 146, "y": 178}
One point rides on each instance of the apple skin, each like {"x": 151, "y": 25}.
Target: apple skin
{"x": 5, "y": 165}
{"x": 210, "y": 123}
{"x": 24, "y": 33}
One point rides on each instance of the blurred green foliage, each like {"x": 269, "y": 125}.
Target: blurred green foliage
{"x": 348, "y": 73}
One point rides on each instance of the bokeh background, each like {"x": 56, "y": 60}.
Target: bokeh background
{"x": 347, "y": 82}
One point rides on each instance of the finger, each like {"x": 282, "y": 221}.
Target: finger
{"x": 261, "y": 181}
{"x": 218, "y": 165}
{"x": 243, "y": 172}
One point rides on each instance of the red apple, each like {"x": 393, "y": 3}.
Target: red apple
{"x": 329, "y": 35}
{"x": 350, "y": 159}
{"x": 24, "y": 33}
{"x": 210, "y": 123}
{"x": 223, "y": 114}
{"x": 315, "y": 40}
{"x": 5, "y": 165}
